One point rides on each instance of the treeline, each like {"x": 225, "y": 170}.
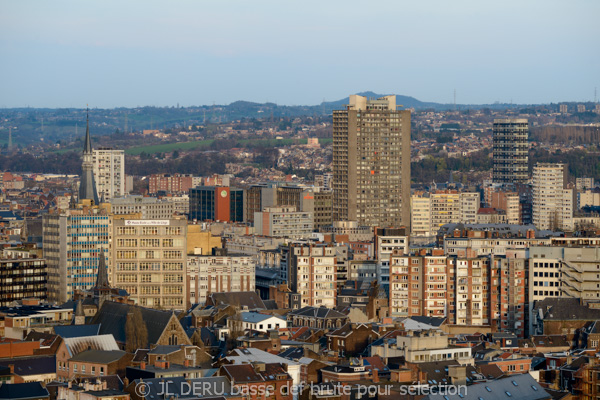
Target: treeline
{"x": 568, "y": 134}
{"x": 195, "y": 163}
{"x": 438, "y": 168}
{"x": 52, "y": 163}
{"x": 580, "y": 163}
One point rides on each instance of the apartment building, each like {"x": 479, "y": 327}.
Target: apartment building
{"x": 419, "y": 284}
{"x": 509, "y": 297}
{"x": 469, "y": 203}
{"x": 149, "y": 261}
{"x": 72, "y": 242}
{"x": 318, "y": 202}
{"x": 510, "y": 158}
{"x": 469, "y": 302}
{"x": 552, "y": 203}
{"x": 509, "y": 202}
{"x": 147, "y": 207}
{"x": 430, "y": 211}
{"x": 283, "y": 221}
{"x": 109, "y": 172}
{"x": 170, "y": 183}
{"x": 22, "y": 278}
{"x": 371, "y": 163}
{"x": 311, "y": 271}
{"x": 219, "y": 273}
{"x": 420, "y": 222}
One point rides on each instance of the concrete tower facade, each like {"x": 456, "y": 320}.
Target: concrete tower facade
{"x": 510, "y": 157}
{"x": 371, "y": 163}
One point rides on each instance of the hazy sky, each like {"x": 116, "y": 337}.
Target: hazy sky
{"x": 135, "y": 53}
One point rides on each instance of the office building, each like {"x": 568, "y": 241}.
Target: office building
{"x": 283, "y": 222}
{"x": 217, "y": 203}
{"x": 72, "y": 241}
{"x": 510, "y": 158}
{"x": 371, "y": 163}
{"x": 552, "y": 203}
{"x": 147, "y": 207}
{"x": 109, "y": 173}
{"x": 22, "y": 278}
{"x": 219, "y": 273}
{"x": 149, "y": 259}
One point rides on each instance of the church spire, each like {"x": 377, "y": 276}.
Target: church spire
{"x": 102, "y": 277}
{"x": 87, "y": 186}
{"x": 87, "y": 147}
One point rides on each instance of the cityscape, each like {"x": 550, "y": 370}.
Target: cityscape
{"x": 374, "y": 246}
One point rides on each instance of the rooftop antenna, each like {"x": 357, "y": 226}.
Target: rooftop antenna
{"x": 454, "y": 99}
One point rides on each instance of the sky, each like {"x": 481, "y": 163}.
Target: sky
{"x": 163, "y": 53}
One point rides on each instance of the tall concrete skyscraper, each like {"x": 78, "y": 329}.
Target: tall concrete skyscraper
{"x": 371, "y": 163}
{"x": 109, "y": 172}
{"x": 510, "y": 157}
{"x": 552, "y": 203}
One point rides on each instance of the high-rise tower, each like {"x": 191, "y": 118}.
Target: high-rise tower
{"x": 371, "y": 163}
{"x": 87, "y": 186}
{"x": 510, "y": 157}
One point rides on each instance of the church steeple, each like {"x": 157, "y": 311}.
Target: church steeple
{"x": 102, "y": 277}
{"x": 87, "y": 147}
{"x": 87, "y": 187}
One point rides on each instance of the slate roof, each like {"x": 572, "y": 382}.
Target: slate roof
{"x": 292, "y": 353}
{"x": 112, "y": 317}
{"x": 32, "y": 365}
{"x": 163, "y": 349}
{"x": 254, "y": 317}
{"x": 433, "y": 321}
{"x": 252, "y": 354}
{"x": 561, "y": 309}
{"x": 250, "y": 300}
{"x": 317, "y": 312}
{"x": 71, "y": 331}
{"x": 140, "y": 355}
{"x": 99, "y": 356}
{"x": 29, "y": 390}
{"x": 551, "y": 341}
{"x": 518, "y": 386}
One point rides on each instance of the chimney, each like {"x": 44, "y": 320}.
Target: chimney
{"x": 143, "y": 365}
{"x": 186, "y": 363}
{"x": 12, "y": 368}
{"x": 375, "y": 376}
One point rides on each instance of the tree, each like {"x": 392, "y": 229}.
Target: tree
{"x": 136, "y": 332}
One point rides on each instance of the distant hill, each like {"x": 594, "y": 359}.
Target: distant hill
{"x": 406, "y": 101}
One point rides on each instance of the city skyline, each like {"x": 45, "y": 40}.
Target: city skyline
{"x": 68, "y": 54}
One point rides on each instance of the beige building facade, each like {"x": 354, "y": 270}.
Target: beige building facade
{"x": 149, "y": 261}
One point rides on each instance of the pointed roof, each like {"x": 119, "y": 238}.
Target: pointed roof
{"x": 87, "y": 186}
{"x": 87, "y": 147}
{"x": 79, "y": 309}
{"x": 102, "y": 277}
